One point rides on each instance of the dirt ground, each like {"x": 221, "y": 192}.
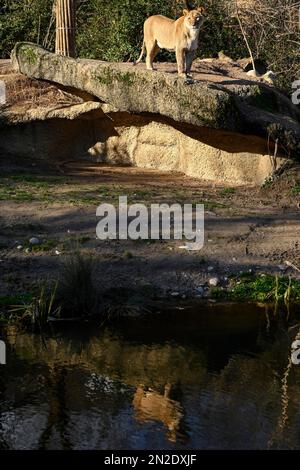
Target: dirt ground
{"x": 246, "y": 229}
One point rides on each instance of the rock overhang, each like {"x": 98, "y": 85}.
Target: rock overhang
{"x": 238, "y": 105}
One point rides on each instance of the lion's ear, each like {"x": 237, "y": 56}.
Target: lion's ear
{"x": 185, "y": 12}
{"x": 202, "y": 10}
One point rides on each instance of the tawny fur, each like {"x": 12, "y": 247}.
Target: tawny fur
{"x": 180, "y": 36}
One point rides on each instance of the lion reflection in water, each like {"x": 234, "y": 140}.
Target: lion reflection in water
{"x": 150, "y": 405}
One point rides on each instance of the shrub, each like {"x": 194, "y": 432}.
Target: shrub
{"x": 112, "y": 30}
{"x": 25, "y": 20}
{"x": 77, "y": 294}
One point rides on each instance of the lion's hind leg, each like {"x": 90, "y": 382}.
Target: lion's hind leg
{"x": 152, "y": 51}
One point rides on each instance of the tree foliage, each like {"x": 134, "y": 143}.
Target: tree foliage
{"x": 112, "y": 30}
{"x": 23, "y": 20}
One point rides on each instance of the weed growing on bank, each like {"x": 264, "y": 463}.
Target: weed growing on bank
{"x": 261, "y": 288}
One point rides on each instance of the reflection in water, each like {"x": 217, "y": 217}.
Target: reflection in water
{"x": 151, "y": 405}
{"x": 211, "y": 377}
{"x": 57, "y": 414}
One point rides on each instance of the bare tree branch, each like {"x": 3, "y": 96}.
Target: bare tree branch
{"x": 245, "y": 37}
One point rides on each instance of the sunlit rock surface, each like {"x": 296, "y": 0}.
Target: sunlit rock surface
{"x": 222, "y": 127}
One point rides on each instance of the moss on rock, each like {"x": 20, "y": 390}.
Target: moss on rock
{"x": 238, "y": 108}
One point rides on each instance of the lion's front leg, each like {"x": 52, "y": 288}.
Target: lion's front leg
{"x": 180, "y": 57}
{"x": 190, "y": 56}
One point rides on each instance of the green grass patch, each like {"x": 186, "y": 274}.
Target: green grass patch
{"x": 7, "y": 301}
{"x": 268, "y": 183}
{"x": 45, "y": 246}
{"x": 15, "y": 194}
{"x": 84, "y": 239}
{"x": 66, "y": 190}
{"x": 227, "y": 192}
{"x": 50, "y": 190}
{"x": 39, "y": 180}
{"x": 261, "y": 288}
{"x": 295, "y": 191}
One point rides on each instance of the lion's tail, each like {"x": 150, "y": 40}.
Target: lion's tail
{"x": 142, "y": 54}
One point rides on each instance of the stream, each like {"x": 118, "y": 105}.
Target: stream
{"x": 200, "y": 376}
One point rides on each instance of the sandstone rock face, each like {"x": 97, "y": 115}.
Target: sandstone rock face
{"x": 216, "y": 128}
{"x": 144, "y": 142}
{"x": 205, "y": 154}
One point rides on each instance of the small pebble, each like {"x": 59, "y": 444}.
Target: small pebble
{"x": 200, "y": 291}
{"x": 20, "y": 247}
{"x": 214, "y": 282}
{"x": 210, "y": 269}
{"x": 34, "y": 241}
{"x": 175, "y": 294}
{"x": 212, "y": 214}
{"x": 282, "y": 267}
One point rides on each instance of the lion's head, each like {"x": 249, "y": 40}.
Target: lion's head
{"x": 194, "y": 19}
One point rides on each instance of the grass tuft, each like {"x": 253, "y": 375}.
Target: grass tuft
{"x": 77, "y": 293}
{"x": 261, "y": 288}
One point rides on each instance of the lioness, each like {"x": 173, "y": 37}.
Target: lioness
{"x": 180, "y": 36}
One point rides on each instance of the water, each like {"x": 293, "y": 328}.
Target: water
{"x": 205, "y": 377}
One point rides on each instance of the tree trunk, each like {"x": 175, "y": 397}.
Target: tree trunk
{"x": 65, "y": 27}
